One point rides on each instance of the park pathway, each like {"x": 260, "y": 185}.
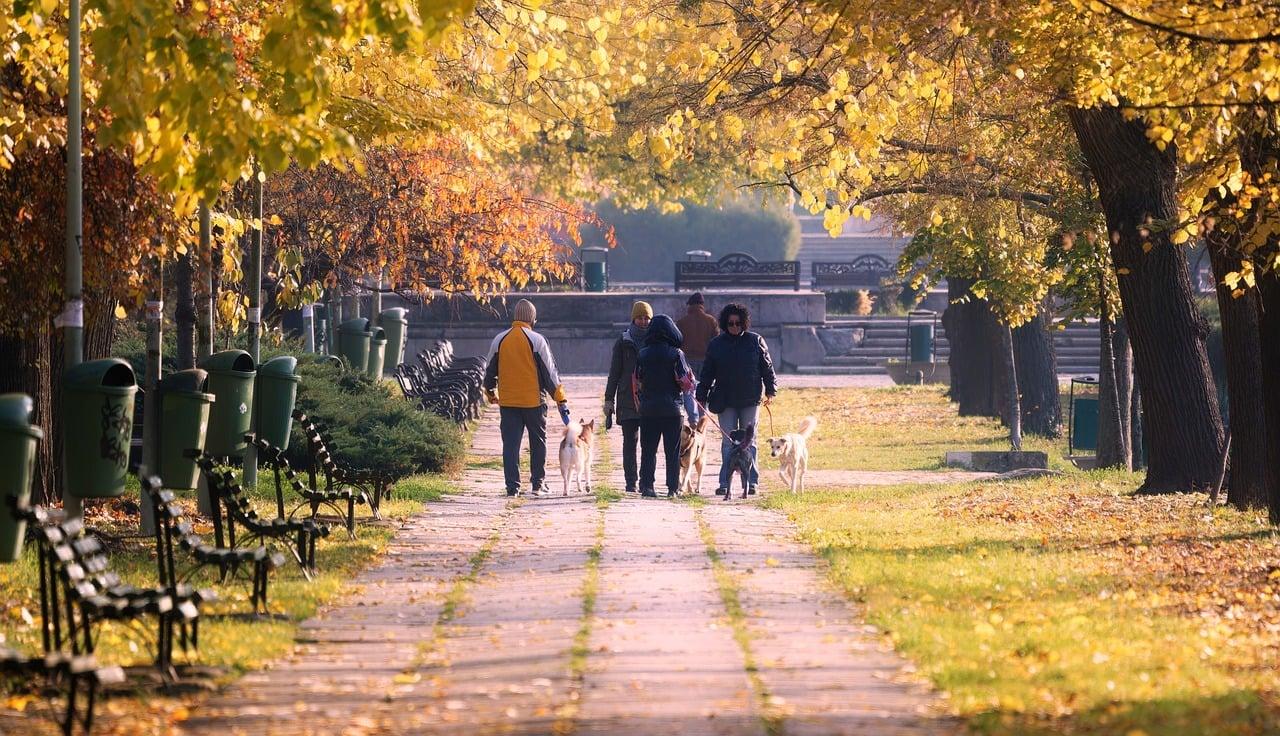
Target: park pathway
{"x": 562, "y": 615}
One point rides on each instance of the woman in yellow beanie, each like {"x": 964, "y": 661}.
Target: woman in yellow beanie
{"x": 617, "y": 392}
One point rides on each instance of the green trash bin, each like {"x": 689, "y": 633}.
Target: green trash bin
{"x": 1084, "y": 423}
{"x": 184, "y": 425}
{"x": 920, "y": 336}
{"x": 595, "y": 272}
{"x": 320, "y": 327}
{"x": 275, "y": 396}
{"x": 396, "y": 324}
{"x": 17, "y": 457}
{"x": 97, "y": 403}
{"x": 377, "y": 352}
{"x": 353, "y": 343}
{"x": 231, "y": 374}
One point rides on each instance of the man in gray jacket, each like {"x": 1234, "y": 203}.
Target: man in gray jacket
{"x": 618, "y": 398}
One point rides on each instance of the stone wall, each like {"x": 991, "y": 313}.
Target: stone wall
{"x": 582, "y": 327}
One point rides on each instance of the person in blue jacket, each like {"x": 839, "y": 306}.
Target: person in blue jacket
{"x": 661, "y": 380}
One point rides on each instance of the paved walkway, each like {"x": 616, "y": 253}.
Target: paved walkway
{"x": 556, "y": 616}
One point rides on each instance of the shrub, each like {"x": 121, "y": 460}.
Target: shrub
{"x": 372, "y": 428}
{"x": 850, "y": 301}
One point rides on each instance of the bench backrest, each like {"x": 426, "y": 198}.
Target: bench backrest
{"x": 866, "y": 270}
{"x": 737, "y": 270}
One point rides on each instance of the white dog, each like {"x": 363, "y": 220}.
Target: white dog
{"x": 576, "y": 451}
{"x": 792, "y": 451}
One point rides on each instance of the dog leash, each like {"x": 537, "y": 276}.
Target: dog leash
{"x": 769, "y": 411}
{"x": 720, "y": 429}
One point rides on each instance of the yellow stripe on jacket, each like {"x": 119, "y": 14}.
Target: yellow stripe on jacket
{"x": 522, "y": 367}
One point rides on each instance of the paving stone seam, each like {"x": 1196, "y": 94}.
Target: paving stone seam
{"x": 580, "y": 653}
{"x": 773, "y": 721}
{"x": 458, "y": 587}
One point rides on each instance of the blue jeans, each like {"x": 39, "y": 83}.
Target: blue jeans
{"x": 731, "y": 419}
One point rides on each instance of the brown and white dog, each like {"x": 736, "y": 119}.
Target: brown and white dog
{"x": 792, "y": 451}
{"x": 693, "y": 451}
{"x": 577, "y": 450}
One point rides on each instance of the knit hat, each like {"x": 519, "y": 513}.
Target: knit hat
{"x": 525, "y": 311}
{"x": 641, "y": 309}
{"x": 696, "y": 299}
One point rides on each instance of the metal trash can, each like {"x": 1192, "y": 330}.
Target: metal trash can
{"x": 275, "y": 395}
{"x": 320, "y": 327}
{"x": 921, "y": 330}
{"x": 1082, "y": 421}
{"x": 377, "y": 352}
{"x": 353, "y": 343}
{"x": 18, "y": 440}
{"x": 97, "y": 408}
{"x": 231, "y": 374}
{"x": 184, "y": 425}
{"x": 595, "y": 272}
{"x": 396, "y": 324}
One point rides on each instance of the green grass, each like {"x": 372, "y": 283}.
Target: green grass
{"x": 898, "y": 428}
{"x": 1063, "y": 605}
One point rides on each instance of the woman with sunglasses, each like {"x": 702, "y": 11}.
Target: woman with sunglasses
{"x": 736, "y": 378}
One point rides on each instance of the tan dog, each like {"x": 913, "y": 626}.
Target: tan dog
{"x": 693, "y": 451}
{"x": 577, "y": 450}
{"x": 792, "y": 451}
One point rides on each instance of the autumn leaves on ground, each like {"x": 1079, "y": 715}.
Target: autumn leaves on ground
{"x": 1059, "y": 605}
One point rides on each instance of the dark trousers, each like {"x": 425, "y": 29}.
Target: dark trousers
{"x": 630, "y": 445}
{"x": 666, "y": 429}
{"x": 513, "y": 424}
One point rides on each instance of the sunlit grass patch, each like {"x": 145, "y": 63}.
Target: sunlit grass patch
{"x": 1065, "y": 605}
{"x": 898, "y": 428}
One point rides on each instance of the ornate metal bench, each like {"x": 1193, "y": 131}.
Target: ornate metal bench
{"x": 739, "y": 270}
{"x": 863, "y": 271}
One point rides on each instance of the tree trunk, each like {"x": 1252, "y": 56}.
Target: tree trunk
{"x": 1137, "y": 186}
{"x": 1251, "y": 473}
{"x": 1037, "y": 377}
{"x": 184, "y": 312}
{"x": 1135, "y": 430}
{"x": 1014, "y": 405}
{"x": 1269, "y": 329}
{"x": 975, "y": 362}
{"x": 1110, "y": 427}
{"x": 1122, "y": 353}
{"x": 99, "y": 325}
{"x": 26, "y": 366}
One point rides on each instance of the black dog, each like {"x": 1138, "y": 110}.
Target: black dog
{"x": 740, "y": 459}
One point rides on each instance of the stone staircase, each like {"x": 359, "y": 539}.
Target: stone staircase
{"x": 885, "y": 338}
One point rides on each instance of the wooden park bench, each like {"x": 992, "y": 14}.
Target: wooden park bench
{"x": 737, "y": 270}
{"x": 173, "y": 529}
{"x": 65, "y": 671}
{"x": 273, "y": 457}
{"x": 866, "y": 271}
{"x": 336, "y": 478}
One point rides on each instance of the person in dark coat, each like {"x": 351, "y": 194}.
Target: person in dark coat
{"x": 661, "y": 379}
{"x": 619, "y": 401}
{"x": 736, "y": 378}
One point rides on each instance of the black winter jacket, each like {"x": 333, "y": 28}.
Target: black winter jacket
{"x": 618, "y": 388}
{"x": 735, "y": 370}
{"x": 662, "y": 374}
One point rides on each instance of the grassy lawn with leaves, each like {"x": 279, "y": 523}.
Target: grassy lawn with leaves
{"x": 1067, "y": 604}
{"x": 228, "y": 642}
{"x": 897, "y": 428}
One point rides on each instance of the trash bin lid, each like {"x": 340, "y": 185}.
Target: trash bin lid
{"x": 15, "y": 415}
{"x": 227, "y": 361}
{"x": 190, "y": 381}
{"x": 112, "y": 373}
{"x": 283, "y": 367}
{"x": 359, "y": 324}
{"x": 379, "y": 334}
{"x": 395, "y": 314}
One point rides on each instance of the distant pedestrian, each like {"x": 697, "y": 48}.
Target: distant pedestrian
{"x": 520, "y": 370}
{"x": 698, "y": 329}
{"x": 736, "y": 377}
{"x": 662, "y": 378}
{"x": 619, "y": 400}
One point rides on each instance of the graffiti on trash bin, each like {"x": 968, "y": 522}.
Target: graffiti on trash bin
{"x": 116, "y": 428}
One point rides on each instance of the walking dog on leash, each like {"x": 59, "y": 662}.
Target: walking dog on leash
{"x": 693, "y": 450}
{"x": 792, "y": 451}
{"x": 577, "y": 449}
{"x": 740, "y": 458}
